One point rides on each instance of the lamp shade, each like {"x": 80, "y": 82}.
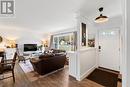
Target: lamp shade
{"x": 101, "y": 19}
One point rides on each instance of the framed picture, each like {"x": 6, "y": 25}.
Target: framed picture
{"x": 83, "y": 30}
{"x": 91, "y": 40}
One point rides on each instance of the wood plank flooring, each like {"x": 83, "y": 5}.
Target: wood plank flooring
{"x": 58, "y": 79}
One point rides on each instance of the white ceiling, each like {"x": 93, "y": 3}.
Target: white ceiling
{"x": 50, "y": 15}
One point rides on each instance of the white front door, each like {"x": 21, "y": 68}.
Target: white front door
{"x": 109, "y": 49}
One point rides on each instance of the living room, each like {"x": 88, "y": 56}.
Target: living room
{"x": 62, "y": 44}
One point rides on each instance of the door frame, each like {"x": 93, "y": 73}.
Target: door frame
{"x": 120, "y": 46}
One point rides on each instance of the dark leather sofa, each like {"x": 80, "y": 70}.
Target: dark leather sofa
{"x": 48, "y": 63}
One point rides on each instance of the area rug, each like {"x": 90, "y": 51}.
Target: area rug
{"x": 30, "y": 73}
{"x": 104, "y": 78}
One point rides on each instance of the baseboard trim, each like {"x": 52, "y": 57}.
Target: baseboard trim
{"x": 86, "y": 73}
{"x": 109, "y": 69}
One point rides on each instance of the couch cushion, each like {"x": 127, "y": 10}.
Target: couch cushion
{"x": 46, "y": 55}
{"x": 59, "y": 54}
{"x": 34, "y": 60}
{"x": 57, "y": 51}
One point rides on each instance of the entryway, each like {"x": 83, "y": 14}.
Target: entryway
{"x": 109, "y": 49}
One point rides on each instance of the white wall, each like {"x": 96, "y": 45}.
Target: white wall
{"x": 82, "y": 63}
{"x": 22, "y": 36}
{"x": 65, "y": 31}
{"x": 90, "y": 29}
{"x": 115, "y": 22}
{"x": 128, "y": 43}
{"x": 73, "y": 66}
{"x": 28, "y": 39}
{"x": 86, "y": 62}
{"x": 93, "y": 28}
{"x": 126, "y": 50}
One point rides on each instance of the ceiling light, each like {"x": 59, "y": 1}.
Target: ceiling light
{"x": 101, "y": 18}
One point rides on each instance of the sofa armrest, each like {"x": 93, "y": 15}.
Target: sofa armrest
{"x": 34, "y": 60}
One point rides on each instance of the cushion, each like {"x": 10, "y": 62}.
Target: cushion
{"x": 46, "y": 55}
{"x": 59, "y": 54}
{"x": 57, "y": 51}
{"x": 34, "y": 60}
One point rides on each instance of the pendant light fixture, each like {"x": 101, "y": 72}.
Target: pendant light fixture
{"x": 101, "y": 18}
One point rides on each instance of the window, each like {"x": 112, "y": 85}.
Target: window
{"x": 65, "y": 42}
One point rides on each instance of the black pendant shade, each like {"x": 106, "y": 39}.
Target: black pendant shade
{"x": 101, "y": 18}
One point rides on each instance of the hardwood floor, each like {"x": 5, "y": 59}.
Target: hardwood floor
{"x": 58, "y": 79}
